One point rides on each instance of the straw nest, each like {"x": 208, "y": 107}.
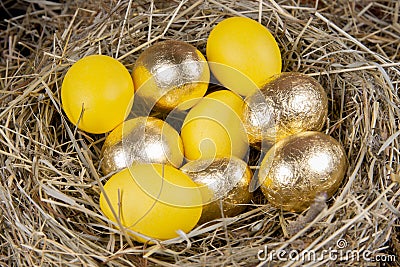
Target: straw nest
{"x": 49, "y": 191}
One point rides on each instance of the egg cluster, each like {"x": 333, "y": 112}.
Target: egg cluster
{"x": 162, "y": 177}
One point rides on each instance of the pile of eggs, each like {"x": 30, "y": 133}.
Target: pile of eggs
{"x": 164, "y": 178}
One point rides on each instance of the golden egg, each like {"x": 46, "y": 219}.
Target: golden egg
{"x": 171, "y": 74}
{"x": 153, "y": 200}
{"x": 141, "y": 140}
{"x": 213, "y": 128}
{"x": 223, "y": 181}
{"x": 299, "y": 167}
{"x": 291, "y": 103}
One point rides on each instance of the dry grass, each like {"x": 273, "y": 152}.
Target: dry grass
{"x": 49, "y": 213}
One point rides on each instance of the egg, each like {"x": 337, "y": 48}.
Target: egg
{"x": 242, "y": 54}
{"x": 141, "y": 140}
{"x": 213, "y": 128}
{"x": 171, "y": 74}
{"x": 224, "y": 183}
{"x": 298, "y": 168}
{"x": 96, "y": 94}
{"x": 291, "y": 103}
{"x": 152, "y": 200}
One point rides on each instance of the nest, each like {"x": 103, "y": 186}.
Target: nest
{"x": 49, "y": 177}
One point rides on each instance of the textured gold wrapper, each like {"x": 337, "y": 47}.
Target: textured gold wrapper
{"x": 141, "y": 140}
{"x": 301, "y": 166}
{"x": 224, "y": 181}
{"x": 290, "y": 103}
{"x": 171, "y": 74}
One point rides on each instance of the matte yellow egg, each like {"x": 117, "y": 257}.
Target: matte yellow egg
{"x": 153, "y": 200}
{"x": 213, "y": 128}
{"x": 298, "y": 168}
{"x": 290, "y": 103}
{"x": 224, "y": 183}
{"x": 141, "y": 140}
{"x": 171, "y": 74}
{"x": 97, "y": 91}
{"x": 242, "y": 54}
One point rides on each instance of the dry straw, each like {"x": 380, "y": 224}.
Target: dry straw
{"x": 49, "y": 212}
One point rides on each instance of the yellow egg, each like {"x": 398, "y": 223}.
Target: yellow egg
{"x": 141, "y": 140}
{"x": 97, "y": 91}
{"x": 153, "y": 200}
{"x": 299, "y": 167}
{"x": 224, "y": 183}
{"x": 171, "y": 74}
{"x": 242, "y": 54}
{"x": 213, "y": 127}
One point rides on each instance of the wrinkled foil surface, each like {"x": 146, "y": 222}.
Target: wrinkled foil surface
{"x": 289, "y": 104}
{"x": 141, "y": 140}
{"x": 177, "y": 71}
{"x": 301, "y": 166}
{"x": 224, "y": 181}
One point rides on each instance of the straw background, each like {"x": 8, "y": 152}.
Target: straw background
{"x": 49, "y": 178}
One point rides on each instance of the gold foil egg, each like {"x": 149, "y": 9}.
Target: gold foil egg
{"x": 290, "y": 103}
{"x": 301, "y": 166}
{"x": 223, "y": 181}
{"x": 171, "y": 74}
{"x": 141, "y": 140}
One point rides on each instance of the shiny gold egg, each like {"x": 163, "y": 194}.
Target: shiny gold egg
{"x": 171, "y": 74}
{"x": 290, "y": 103}
{"x": 141, "y": 140}
{"x": 301, "y": 166}
{"x": 224, "y": 183}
